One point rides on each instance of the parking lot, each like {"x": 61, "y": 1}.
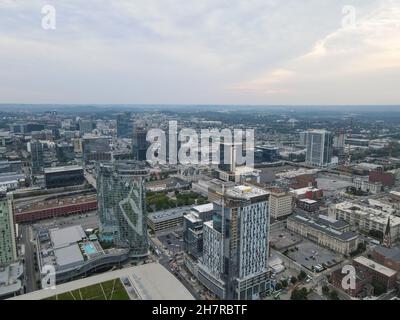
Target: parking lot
{"x": 332, "y": 185}
{"x": 172, "y": 242}
{"x": 282, "y": 239}
{"x": 310, "y": 254}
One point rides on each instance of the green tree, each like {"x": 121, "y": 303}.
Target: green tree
{"x": 302, "y": 275}
{"x": 299, "y": 294}
{"x": 379, "y": 289}
{"x": 334, "y": 295}
{"x": 284, "y": 283}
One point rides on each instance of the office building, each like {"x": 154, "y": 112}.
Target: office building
{"x": 7, "y": 166}
{"x": 367, "y": 186}
{"x": 65, "y": 152}
{"x": 325, "y": 231}
{"x": 96, "y": 148}
{"x": 85, "y": 126}
{"x": 124, "y": 125}
{"x": 303, "y": 139}
{"x": 37, "y": 157}
{"x": 389, "y": 257}
{"x": 235, "y": 245}
{"x": 57, "y": 177}
{"x": 139, "y": 144}
{"x": 319, "y": 148}
{"x": 280, "y": 203}
{"x": 228, "y": 156}
{"x": 363, "y": 283}
{"x": 383, "y": 275}
{"x": 121, "y": 196}
{"x": 8, "y": 247}
{"x": 266, "y": 154}
{"x": 193, "y": 229}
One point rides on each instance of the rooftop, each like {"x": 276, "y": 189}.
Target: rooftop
{"x": 67, "y": 256}
{"x": 328, "y": 226}
{"x": 193, "y": 217}
{"x": 304, "y": 190}
{"x": 375, "y": 266}
{"x": 203, "y": 208}
{"x": 151, "y": 282}
{"x": 66, "y": 236}
{"x": 40, "y": 204}
{"x": 374, "y": 214}
{"x": 62, "y": 169}
{"x": 160, "y": 216}
{"x": 246, "y": 192}
{"x": 309, "y": 201}
{"x": 391, "y": 253}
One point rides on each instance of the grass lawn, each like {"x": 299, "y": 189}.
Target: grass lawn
{"x": 109, "y": 290}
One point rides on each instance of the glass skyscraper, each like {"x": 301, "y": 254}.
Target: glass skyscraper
{"x": 121, "y": 195}
{"x": 124, "y": 125}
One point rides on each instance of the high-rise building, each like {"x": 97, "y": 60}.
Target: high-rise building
{"x": 234, "y": 264}
{"x": 193, "y": 223}
{"x": 266, "y": 154}
{"x": 319, "y": 148}
{"x": 85, "y": 126}
{"x": 124, "y": 125}
{"x": 65, "y": 152}
{"x": 37, "y": 157}
{"x": 228, "y": 156}
{"x": 96, "y": 148}
{"x": 303, "y": 139}
{"x": 8, "y": 248}
{"x": 121, "y": 196}
{"x": 139, "y": 144}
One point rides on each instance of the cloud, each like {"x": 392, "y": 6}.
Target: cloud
{"x": 211, "y": 51}
{"x": 349, "y": 60}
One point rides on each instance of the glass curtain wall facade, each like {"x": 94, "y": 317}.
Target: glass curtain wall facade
{"x": 122, "y": 205}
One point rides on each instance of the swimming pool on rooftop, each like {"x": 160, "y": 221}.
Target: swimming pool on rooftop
{"x": 89, "y": 248}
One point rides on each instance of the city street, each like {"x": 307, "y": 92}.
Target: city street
{"x": 30, "y": 272}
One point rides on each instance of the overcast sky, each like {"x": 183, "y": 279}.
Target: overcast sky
{"x": 201, "y": 52}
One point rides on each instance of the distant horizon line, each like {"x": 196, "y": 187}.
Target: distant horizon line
{"x": 195, "y": 104}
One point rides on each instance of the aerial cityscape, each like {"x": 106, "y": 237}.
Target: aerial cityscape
{"x": 158, "y": 152}
{"x": 80, "y": 200}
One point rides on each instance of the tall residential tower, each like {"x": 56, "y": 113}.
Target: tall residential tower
{"x": 319, "y": 148}
{"x": 122, "y": 210}
{"x": 235, "y": 245}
